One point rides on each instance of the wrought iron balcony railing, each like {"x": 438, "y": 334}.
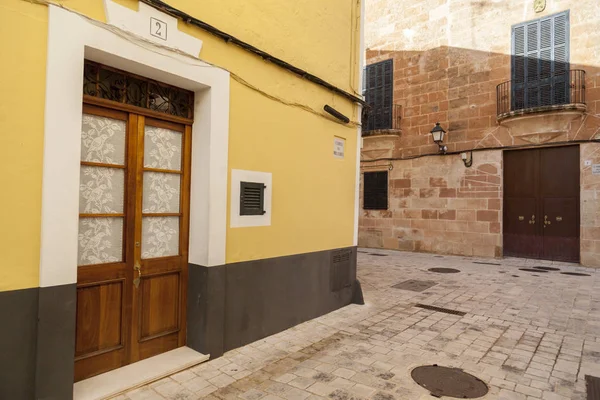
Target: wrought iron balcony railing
{"x": 530, "y": 95}
{"x": 381, "y": 118}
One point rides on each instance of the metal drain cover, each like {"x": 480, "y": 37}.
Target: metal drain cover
{"x": 575, "y": 274}
{"x": 444, "y": 270}
{"x": 415, "y": 285}
{"x": 451, "y": 382}
{"x": 548, "y": 268}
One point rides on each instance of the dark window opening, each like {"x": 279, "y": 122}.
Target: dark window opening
{"x": 375, "y": 196}
{"x": 252, "y": 198}
{"x": 540, "y": 62}
{"x": 379, "y": 95}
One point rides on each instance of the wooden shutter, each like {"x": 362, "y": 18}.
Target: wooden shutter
{"x": 545, "y": 63}
{"x": 252, "y": 198}
{"x": 540, "y": 62}
{"x": 518, "y": 68}
{"x": 379, "y": 93}
{"x": 375, "y": 196}
{"x": 532, "y": 64}
{"x": 561, "y": 92}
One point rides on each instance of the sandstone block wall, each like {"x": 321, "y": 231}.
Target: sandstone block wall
{"x": 437, "y": 205}
{"x": 449, "y": 57}
{"x": 590, "y": 206}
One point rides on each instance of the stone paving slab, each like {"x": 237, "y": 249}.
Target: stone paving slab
{"x": 527, "y": 335}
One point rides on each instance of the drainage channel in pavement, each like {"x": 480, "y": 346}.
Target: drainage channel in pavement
{"x": 440, "y": 309}
{"x": 444, "y": 270}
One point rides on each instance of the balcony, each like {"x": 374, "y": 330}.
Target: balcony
{"x": 381, "y": 120}
{"x": 558, "y": 92}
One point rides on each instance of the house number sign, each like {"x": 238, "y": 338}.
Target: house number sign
{"x": 158, "y": 28}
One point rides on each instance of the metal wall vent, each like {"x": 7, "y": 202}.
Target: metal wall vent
{"x": 340, "y": 270}
{"x": 252, "y": 198}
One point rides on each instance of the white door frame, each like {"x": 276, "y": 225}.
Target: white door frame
{"x": 73, "y": 38}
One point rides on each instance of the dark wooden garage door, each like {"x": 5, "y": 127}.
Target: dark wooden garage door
{"x": 541, "y": 203}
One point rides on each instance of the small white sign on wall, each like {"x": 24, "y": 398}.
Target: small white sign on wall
{"x": 158, "y": 28}
{"x": 596, "y": 169}
{"x": 339, "y": 146}
{"x": 153, "y": 25}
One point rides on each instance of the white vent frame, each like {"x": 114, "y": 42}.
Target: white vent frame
{"x": 243, "y": 221}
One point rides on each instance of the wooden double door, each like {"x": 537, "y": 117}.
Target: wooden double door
{"x": 541, "y": 203}
{"x": 133, "y": 238}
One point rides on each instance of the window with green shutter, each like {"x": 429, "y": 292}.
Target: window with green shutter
{"x": 379, "y": 95}
{"x": 375, "y": 190}
{"x": 540, "y": 62}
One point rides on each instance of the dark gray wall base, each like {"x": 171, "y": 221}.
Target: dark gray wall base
{"x": 206, "y": 309}
{"x": 18, "y": 342}
{"x": 235, "y": 304}
{"x": 37, "y": 343}
{"x": 357, "y": 296}
{"x": 56, "y": 342}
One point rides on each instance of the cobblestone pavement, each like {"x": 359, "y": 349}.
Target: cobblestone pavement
{"x": 528, "y": 335}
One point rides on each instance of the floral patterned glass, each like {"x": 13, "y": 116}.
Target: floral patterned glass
{"x": 101, "y": 190}
{"x": 161, "y": 193}
{"x": 100, "y": 240}
{"x": 162, "y": 148}
{"x": 102, "y": 140}
{"x": 160, "y": 237}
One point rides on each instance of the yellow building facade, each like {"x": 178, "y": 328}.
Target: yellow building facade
{"x": 250, "y": 231}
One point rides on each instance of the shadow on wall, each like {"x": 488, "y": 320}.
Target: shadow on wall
{"x": 466, "y": 90}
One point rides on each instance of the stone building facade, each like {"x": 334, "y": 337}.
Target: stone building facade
{"x": 453, "y": 62}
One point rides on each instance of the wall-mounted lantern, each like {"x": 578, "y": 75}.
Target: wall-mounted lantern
{"x": 438, "y": 137}
{"x": 467, "y": 158}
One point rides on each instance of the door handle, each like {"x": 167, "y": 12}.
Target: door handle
{"x": 546, "y": 221}
{"x": 532, "y": 220}
{"x": 558, "y": 219}
{"x": 137, "y": 280}
{"x": 521, "y": 218}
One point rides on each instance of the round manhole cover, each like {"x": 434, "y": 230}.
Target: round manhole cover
{"x": 547, "y": 268}
{"x": 575, "y": 274}
{"x": 444, "y": 270}
{"x": 451, "y": 382}
{"x": 532, "y": 270}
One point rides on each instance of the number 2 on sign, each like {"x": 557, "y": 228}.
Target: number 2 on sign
{"x": 158, "y": 28}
